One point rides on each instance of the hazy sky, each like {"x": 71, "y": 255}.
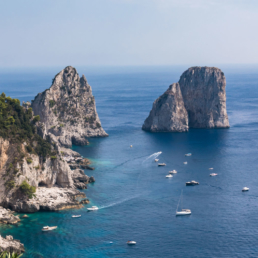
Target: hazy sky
{"x": 128, "y": 32}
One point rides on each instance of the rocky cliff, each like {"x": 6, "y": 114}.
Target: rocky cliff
{"x": 67, "y": 109}
{"x": 202, "y": 103}
{"x": 168, "y": 113}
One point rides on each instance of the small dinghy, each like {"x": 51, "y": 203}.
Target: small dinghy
{"x": 192, "y": 183}
{"x": 245, "y": 189}
{"x": 76, "y": 216}
{"x": 131, "y": 146}
{"x": 47, "y": 228}
{"x": 188, "y": 154}
{"x": 156, "y": 160}
{"x": 183, "y": 211}
{"x": 130, "y": 242}
{"x": 213, "y": 174}
{"x": 172, "y": 172}
{"x": 93, "y": 208}
{"x": 168, "y": 176}
{"x": 185, "y": 162}
{"x": 210, "y": 168}
{"x": 161, "y": 164}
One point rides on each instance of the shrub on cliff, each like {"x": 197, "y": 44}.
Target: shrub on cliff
{"x": 27, "y": 189}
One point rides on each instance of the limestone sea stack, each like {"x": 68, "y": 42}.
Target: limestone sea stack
{"x": 67, "y": 109}
{"x": 198, "y": 100}
{"x": 168, "y": 113}
{"x": 204, "y": 94}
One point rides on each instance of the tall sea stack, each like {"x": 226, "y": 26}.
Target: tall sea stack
{"x": 202, "y": 103}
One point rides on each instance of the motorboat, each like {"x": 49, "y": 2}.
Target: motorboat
{"x": 213, "y": 174}
{"x": 245, "y": 189}
{"x": 169, "y": 176}
{"x": 183, "y": 211}
{"x": 93, "y": 208}
{"x": 76, "y": 216}
{"x": 188, "y": 154}
{"x": 172, "y": 172}
{"x": 156, "y": 160}
{"x": 185, "y": 162}
{"x": 47, "y": 228}
{"x": 161, "y": 164}
{"x": 192, "y": 183}
{"x": 130, "y": 242}
{"x": 210, "y": 168}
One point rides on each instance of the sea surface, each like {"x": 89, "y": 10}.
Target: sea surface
{"x": 137, "y": 202}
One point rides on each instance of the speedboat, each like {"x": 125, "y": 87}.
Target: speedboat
{"x": 192, "y": 183}
{"x": 213, "y": 174}
{"x": 161, "y": 164}
{"x": 156, "y": 160}
{"x": 245, "y": 189}
{"x": 93, "y": 208}
{"x": 47, "y": 228}
{"x": 183, "y": 212}
{"x": 130, "y": 242}
{"x": 210, "y": 168}
{"x": 172, "y": 172}
{"x": 76, "y": 216}
{"x": 185, "y": 162}
{"x": 188, "y": 154}
{"x": 169, "y": 175}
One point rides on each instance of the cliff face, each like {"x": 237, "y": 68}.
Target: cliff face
{"x": 204, "y": 94}
{"x": 67, "y": 109}
{"x": 168, "y": 113}
{"x": 202, "y": 103}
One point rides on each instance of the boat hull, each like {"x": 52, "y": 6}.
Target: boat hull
{"x": 183, "y": 213}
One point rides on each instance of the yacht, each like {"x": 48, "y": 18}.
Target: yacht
{"x": 161, "y": 164}
{"x": 172, "y": 172}
{"x": 183, "y": 211}
{"x": 188, "y": 154}
{"x": 76, "y": 216}
{"x": 185, "y": 162}
{"x": 192, "y": 183}
{"x": 130, "y": 242}
{"x": 245, "y": 189}
{"x": 47, "y": 228}
{"x": 169, "y": 176}
{"x": 213, "y": 174}
{"x": 156, "y": 160}
{"x": 93, "y": 208}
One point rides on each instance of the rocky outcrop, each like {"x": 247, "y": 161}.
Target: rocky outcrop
{"x": 7, "y": 216}
{"x": 168, "y": 113}
{"x": 198, "y": 100}
{"x": 67, "y": 109}
{"x": 10, "y": 245}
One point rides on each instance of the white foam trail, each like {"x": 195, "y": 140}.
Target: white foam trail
{"x": 115, "y": 203}
{"x": 153, "y": 156}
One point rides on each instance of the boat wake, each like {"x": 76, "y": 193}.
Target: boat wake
{"x": 153, "y": 156}
{"x": 119, "y": 202}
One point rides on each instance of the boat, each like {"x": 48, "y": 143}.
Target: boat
{"x": 169, "y": 175}
{"x": 185, "y": 162}
{"x": 130, "y": 242}
{"x": 172, "y": 172}
{"x": 183, "y": 211}
{"x": 188, "y": 154}
{"x": 192, "y": 183}
{"x": 161, "y": 164}
{"x": 76, "y": 216}
{"x": 93, "y": 208}
{"x": 210, "y": 168}
{"x": 47, "y": 228}
{"x": 245, "y": 189}
{"x": 213, "y": 174}
{"x": 156, "y": 160}
{"x": 131, "y": 146}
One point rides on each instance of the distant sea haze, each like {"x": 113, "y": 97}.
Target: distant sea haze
{"x": 138, "y": 202}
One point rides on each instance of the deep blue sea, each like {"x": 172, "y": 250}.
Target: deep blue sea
{"x": 136, "y": 201}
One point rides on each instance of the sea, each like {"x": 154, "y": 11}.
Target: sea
{"x": 135, "y": 199}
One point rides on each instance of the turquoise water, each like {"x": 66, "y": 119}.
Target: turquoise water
{"x": 136, "y": 200}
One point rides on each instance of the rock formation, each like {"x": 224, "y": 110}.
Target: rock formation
{"x": 67, "y": 109}
{"x": 168, "y": 113}
{"x": 10, "y": 245}
{"x": 202, "y": 103}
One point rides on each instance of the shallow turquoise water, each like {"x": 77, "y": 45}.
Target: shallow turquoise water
{"x": 137, "y": 201}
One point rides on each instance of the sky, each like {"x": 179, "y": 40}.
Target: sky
{"x": 44, "y": 33}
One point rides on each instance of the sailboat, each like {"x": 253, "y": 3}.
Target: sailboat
{"x": 183, "y": 211}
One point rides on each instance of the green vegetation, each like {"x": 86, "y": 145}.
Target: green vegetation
{"x": 27, "y": 189}
{"x": 10, "y": 255}
{"x": 36, "y": 119}
{"x": 61, "y": 125}
{"x": 29, "y": 148}
{"x": 10, "y": 184}
{"x": 53, "y": 157}
{"x": 29, "y": 160}
{"x": 98, "y": 125}
{"x": 37, "y": 167}
{"x": 51, "y": 103}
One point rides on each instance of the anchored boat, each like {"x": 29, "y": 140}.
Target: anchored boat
{"x": 188, "y": 154}
{"x": 169, "y": 176}
{"x": 76, "y": 216}
{"x": 192, "y": 183}
{"x": 130, "y": 242}
{"x": 47, "y": 228}
{"x": 213, "y": 174}
{"x": 245, "y": 189}
{"x": 183, "y": 211}
{"x": 161, "y": 164}
{"x": 172, "y": 172}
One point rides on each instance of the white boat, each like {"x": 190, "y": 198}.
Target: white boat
{"x": 161, "y": 164}
{"x": 169, "y": 175}
{"x": 76, "y": 216}
{"x": 213, "y": 174}
{"x": 172, "y": 172}
{"x": 47, "y": 228}
{"x": 188, "y": 154}
{"x": 185, "y": 162}
{"x": 245, "y": 189}
{"x": 130, "y": 242}
{"x": 156, "y": 160}
{"x": 93, "y": 208}
{"x": 210, "y": 168}
{"x": 131, "y": 146}
{"x": 183, "y": 211}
